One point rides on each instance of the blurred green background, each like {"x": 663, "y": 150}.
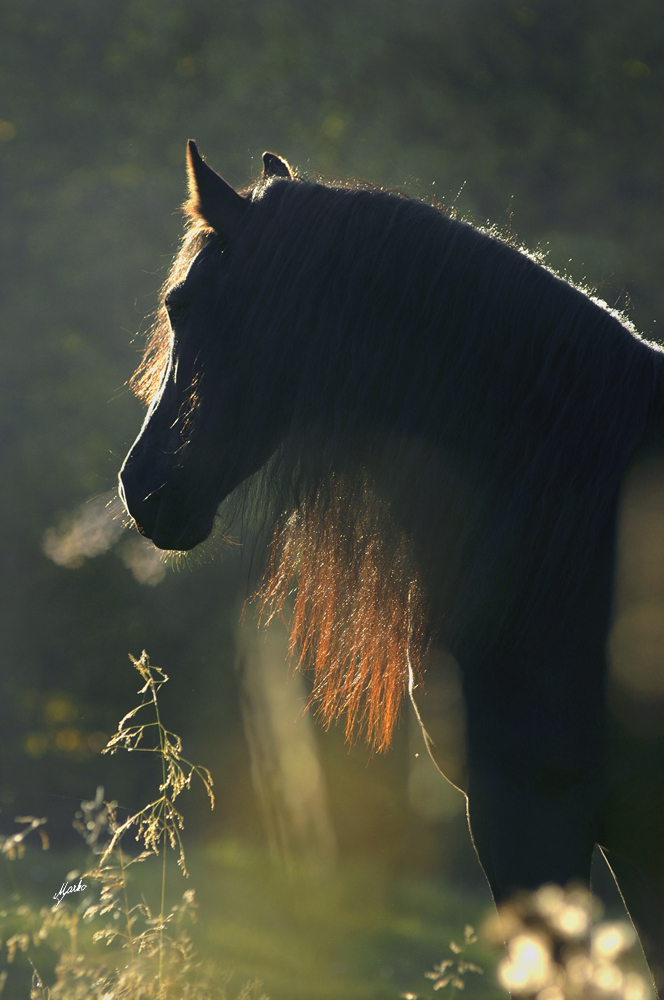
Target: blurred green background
{"x": 545, "y": 119}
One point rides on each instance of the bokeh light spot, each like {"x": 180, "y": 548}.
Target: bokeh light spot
{"x": 186, "y": 66}
{"x": 636, "y": 69}
{"x": 609, "y": 940}
{"x": 59, "y": 710}
{"x": 7, "y": 131}
{"x": 69, "y": 740}
{"x": 36, "y": 744}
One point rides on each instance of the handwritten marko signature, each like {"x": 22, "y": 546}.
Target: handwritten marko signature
{"x": 66, "y": 888}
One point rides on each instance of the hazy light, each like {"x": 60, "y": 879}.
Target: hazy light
{"x": 636, "y": 644}
{"x": 569, "y": 913}
{"x": 607, "y": 977}
{"x": 551, "y": 993}
{"x": 572, "y": 921}
{"x": 550, "y": 899}
{"x": 143, "y": 559}
{"x": 7, "y": 131}
{"x": 528, "y": 966}
{"x": 586, "y": 966}
{"x": 579, "y": 969}
{"x": 88, "y": 532}
{"x": 609, "y": 940}
{"x": 635, "y": 987}
{"x": 95, "y": 528}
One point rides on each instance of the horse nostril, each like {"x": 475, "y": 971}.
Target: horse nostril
{"x": 143, "y": 509}
{"x": 145, "y": 515}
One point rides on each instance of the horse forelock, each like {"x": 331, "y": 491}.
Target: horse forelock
{"x": 146, "y": 380}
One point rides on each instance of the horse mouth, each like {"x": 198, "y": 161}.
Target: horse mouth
{"x": 184, "y": 542}
{"x": 170, "y": 529}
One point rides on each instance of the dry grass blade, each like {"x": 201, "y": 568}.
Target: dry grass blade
{"x": 160, "y": 821}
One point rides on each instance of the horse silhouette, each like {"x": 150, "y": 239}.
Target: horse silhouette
{"x": 436, "y": 427}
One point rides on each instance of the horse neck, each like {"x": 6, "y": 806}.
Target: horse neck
{"x": 651, "y": 442}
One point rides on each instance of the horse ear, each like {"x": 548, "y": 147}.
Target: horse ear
{"x": 276, "y": 166}
{"x": 210, "y": 197}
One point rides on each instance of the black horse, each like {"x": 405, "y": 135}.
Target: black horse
{"x": 437, "y": 428}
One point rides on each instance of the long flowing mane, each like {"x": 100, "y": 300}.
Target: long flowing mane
{"x": 462, "y": 419}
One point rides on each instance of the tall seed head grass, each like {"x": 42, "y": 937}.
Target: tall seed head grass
{"x": 148, "y": 953}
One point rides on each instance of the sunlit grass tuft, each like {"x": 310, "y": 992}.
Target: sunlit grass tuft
{"x": 159, "y": 823}
{"x": 147, "y": 952}
{"x": 450, "y": 973}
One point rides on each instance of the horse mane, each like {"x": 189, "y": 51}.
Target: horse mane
{"x": 462, "y": 420}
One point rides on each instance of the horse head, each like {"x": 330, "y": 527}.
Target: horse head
{"x": 169, "y": 482}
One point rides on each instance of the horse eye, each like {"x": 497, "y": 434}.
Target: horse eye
{"x": 176, "y": 309}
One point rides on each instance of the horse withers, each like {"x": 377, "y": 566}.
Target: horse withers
{"x": 436, "y": 429}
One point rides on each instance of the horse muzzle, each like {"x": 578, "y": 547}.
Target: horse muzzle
{"x": 160, "y": 517}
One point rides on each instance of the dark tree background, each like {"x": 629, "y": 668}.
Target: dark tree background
{"x": 545, "y": 119}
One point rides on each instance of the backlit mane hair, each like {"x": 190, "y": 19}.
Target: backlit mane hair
{"x": 146, "y": 380}
{"x": 462, "y": 416}
{"x": 358, "y": 614}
